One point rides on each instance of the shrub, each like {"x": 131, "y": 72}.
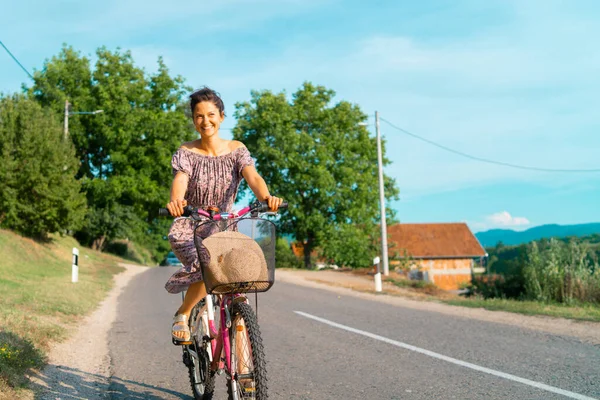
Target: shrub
{"x": 284, "y": 256}
{"x": 130, "y": 251}
{"x": 562, "y": 272}
{"x": 491, "y": 286}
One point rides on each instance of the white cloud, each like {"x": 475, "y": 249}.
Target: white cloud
{"x": 504, "y": 219}
{"x": 499, "y": 220}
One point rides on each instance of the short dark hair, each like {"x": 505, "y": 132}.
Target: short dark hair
{"x": 206, "y": 94}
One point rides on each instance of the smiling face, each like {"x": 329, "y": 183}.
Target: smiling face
{"x": 207, "y": 119}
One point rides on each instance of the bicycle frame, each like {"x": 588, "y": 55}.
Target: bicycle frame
{"x": 219, "y": 338}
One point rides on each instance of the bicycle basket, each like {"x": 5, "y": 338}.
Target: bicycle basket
{"x": 241, "y": 257}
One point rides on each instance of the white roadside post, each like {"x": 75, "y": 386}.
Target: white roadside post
{"x": 75, "y": 266}
{"x": 377, "y": 262}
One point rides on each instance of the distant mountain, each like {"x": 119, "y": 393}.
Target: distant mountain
{"x": 509, "y": 237}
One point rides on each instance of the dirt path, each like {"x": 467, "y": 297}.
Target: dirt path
{"x": 79, "y": 368}
{"x": 363, "y": 287}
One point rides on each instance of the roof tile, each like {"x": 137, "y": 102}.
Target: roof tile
{"x": 434, "y": 240}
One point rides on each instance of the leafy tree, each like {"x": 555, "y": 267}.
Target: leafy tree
{"x": 8, "y": 164}
{"x": 125, "y": 151}
{"x": 40, "y": 194}
{"x": 319, "y": 158}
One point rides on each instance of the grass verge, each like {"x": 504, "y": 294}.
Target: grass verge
{"x": 407, "y": 283}
{"x": 39, "y": 303}
{"x": 582, "y": 312}
{"x": 430, "y": 292}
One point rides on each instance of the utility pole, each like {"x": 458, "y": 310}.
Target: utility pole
{"x": 66, "y": 119}
{"x": 67, "y": 113}
{"x": 384, "y": 246}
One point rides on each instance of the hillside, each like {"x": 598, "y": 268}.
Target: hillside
{"x": 38, "y": 302}
{"x": 509, "y": 237}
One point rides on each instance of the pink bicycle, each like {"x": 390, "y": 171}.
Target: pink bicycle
{"x": 225, "y": 335}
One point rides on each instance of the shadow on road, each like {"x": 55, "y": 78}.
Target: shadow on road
{"x": 70, "y": 383}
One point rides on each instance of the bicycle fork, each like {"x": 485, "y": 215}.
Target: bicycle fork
{"x": 203, "y": 331}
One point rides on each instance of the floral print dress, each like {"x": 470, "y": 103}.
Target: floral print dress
{"x": 213, "y": 181}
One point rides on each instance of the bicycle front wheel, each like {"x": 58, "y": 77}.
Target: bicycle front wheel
{"x": 248, "y": 366}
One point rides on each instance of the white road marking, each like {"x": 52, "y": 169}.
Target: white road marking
{"x": 499, "y": 374}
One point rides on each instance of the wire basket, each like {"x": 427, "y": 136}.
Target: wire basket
{"x": 240, "y": 256}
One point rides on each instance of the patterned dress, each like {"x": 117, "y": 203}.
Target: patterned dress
{"x": 213, "y": 181}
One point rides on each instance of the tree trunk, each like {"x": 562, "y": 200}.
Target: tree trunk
{"x": 308, "y": 245}
{"x": 98, "y": 243}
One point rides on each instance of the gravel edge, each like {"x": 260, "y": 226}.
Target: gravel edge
{"x": 80, "y": 367}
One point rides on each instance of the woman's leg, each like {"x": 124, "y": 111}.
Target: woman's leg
{"x": 196, "y": 292}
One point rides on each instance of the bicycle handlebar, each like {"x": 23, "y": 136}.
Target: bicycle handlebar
{"x": 188, "y": 211}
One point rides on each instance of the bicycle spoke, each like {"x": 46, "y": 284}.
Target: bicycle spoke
{"x": 249, "y": 367}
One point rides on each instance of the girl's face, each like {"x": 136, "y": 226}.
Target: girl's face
{"x": 207, "y": 119}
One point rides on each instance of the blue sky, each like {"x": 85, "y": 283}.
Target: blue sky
{"x": 510, "y": 80}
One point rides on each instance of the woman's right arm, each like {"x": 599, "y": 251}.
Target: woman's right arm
{"x": 178, "y": 189}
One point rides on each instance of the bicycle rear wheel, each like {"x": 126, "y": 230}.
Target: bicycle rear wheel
{"x": 195, "y": 357}
{"x": 249, "y": 372}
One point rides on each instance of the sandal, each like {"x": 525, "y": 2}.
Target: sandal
{"x": 180, "y": 324}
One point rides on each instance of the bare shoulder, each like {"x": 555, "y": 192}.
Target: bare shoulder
{"x": 190, "y": 145}
{"x": 235, "y": 144}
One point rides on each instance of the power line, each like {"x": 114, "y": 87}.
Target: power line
{"x": 17, "y": 61}
{"x": 505, "y": 164}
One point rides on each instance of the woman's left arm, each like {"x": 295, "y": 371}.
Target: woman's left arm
{"x": 259, "y": 187}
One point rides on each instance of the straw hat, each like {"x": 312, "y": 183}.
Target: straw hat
{"x": 234, "y": 257}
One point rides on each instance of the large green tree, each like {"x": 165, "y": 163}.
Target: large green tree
{"x": 319, "y": 157}
{"x": 124, "y": 151}
{"x": 40, "y": 194}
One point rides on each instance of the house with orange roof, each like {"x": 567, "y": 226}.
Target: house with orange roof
{"x": 441, "y": 253}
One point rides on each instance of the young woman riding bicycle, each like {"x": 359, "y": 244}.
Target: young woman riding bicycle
{"x": 207, "y": 174}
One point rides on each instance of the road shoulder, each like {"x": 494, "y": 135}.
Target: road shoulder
{"x": 588, "y": 332}
{"x": 80, "y": 366}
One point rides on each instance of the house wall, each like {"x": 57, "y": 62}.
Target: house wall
{"x": 447, "y": 274}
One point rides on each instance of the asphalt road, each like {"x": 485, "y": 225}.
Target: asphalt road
{"x": 342, "y": 347}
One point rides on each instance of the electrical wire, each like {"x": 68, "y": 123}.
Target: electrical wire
{"x": 17, "y": 61}
{"x": 485, "y": 160}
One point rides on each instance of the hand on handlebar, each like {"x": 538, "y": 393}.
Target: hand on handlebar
{"x": 274, "y": 202}
{"x": 175, "y": 207}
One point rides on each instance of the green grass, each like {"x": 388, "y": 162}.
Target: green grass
{"x": 16, "y": 356}
{"x": 38, "y": 301}
{"x": 408, "y": 283}
{"x": 583, "y": 312}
